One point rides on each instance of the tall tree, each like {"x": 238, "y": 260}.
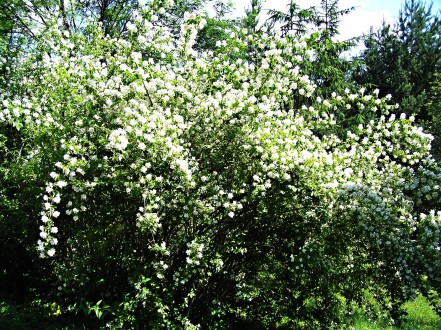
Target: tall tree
{"x": 401, "y": 59}
{"x": 251, "y": 19}
{"x": 295, "y": 21}
{"x": 329, "y": 69}
{"x": 328, "y": 16}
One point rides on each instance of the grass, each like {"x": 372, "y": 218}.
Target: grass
{"x": 420, "y": 317}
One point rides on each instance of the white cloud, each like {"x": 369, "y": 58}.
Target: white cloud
{"x": 362, "y": 19}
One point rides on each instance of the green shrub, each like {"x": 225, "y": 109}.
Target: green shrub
{"x": 181, "y": 190}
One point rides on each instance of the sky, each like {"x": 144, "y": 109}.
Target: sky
{"x": 366, "y": 14}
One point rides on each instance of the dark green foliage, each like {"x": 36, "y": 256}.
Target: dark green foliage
{"x": 214, "y": 30}
{"x": 21, "y": 268}
{"x": 329, "y": 68}
{"x": 401, "y": 59}
{"x": 434, "y": 112}
{"x": 113, "y": 14}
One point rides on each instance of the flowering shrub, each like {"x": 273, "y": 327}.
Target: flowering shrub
{"x": 185, "y": 189}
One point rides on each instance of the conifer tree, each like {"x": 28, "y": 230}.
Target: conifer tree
{"x": 295, "y": 21}
{"x": 328, "y": 16}
{"x": 330, "y": 69}
{"x": 401, "y": 59}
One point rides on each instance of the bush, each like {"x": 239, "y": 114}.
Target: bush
{"x": 184, "y": 189}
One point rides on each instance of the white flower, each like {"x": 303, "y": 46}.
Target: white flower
{"x": 51, "y": 252}
{"x": 56, "y": 214}
{"x": 131, "y": 27}
{"x": 57, "y": 199}
{"x": 61, "y": 184}
{"x": 54, "y": 230}
{"x": 118, "y": 139}
{"x": 231, "y": 214}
